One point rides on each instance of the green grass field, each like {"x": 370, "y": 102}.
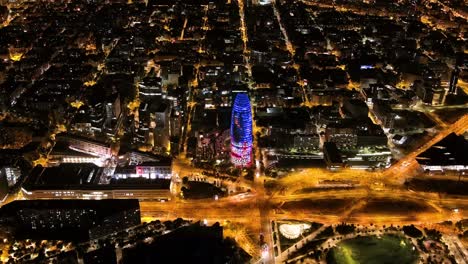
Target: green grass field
{"x": 372, "y": 250}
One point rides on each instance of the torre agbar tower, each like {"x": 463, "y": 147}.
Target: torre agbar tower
{"x": 241, "y": 131}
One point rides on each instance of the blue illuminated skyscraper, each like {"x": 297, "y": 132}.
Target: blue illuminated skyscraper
{"x": 241, "y": 131}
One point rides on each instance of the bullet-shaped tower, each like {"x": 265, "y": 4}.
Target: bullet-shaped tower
{"x": 241, "y": 131}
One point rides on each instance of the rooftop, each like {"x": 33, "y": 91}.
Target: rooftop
{"x": 451, "y": 150}
{"x": 65, "y": 174}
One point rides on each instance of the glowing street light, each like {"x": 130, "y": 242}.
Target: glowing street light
{"x": 265, "y": 251}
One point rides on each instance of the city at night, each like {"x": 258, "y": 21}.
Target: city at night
{"x": 234, "y": 131}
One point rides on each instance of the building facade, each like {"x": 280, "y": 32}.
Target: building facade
{"x": 77, "y": 220}
{"x": 88, "y": 146}
{"x": 241, "y": 131}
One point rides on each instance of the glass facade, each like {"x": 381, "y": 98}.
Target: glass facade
{"x": 241, "y": 131}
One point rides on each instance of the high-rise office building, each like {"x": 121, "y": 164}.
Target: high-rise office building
{"x": 460, "y": 62}
{"x": 454, "y": 81}
{"x": 241, "y": 131}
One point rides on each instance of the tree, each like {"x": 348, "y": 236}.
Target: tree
{"x": 412, "y": 231}
{"x": 345, "y": 229}
{"x": 185, "y": 180}
{"x": 40, "y": 256}
{"x": 433, "y": 234}
{"x": 178, "y": 222}
{"x": 169, "y": 225}
{"x": 327, "y": 232}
